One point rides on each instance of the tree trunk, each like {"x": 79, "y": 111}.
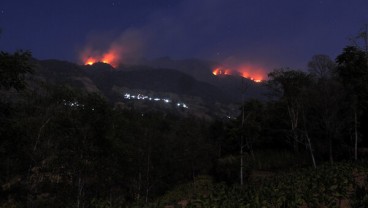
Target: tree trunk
{"x": 39, "y": 134}
{"x": 296, "y": 145}
{"x": 193, "y": 171}
{"x": 311, "y": 150}
{"x": 308, "y": 139}
{"x": 147, "y": 178}
{"x": 80, "y": 190}
{"x": 294, "y": 117}
{"x": 243, "y": 90}
{"x": 241, "y": 162}
{"x": 330, "y": 151}
{"x": 356, "y": 135}
{"x": 241, "y": 144}
{"x": 139, "y": 185}
{"x": 252, "y": 153}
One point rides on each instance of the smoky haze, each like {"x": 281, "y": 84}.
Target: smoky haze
{"x": 105, "y": 47}
{"x": 261, "y": 35}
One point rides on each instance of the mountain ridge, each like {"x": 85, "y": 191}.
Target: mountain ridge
{"x": 217, "y": 94}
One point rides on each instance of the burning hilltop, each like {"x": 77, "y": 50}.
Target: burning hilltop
{"x": 111, "y": 48}
{"x": 112, "y": 57}
{"x": 253, "y": 74}
{"x": 221, "y": 71}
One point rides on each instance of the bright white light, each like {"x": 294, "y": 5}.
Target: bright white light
{"x": 143, "y": 97}
{"x": 127, "y": 96}
{"x": 182, "y": 105}
{"x": 72, "y": 104}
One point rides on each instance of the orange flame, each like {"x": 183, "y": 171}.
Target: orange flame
{"x": 111, "y": 57}
{"x": 215, "y": 71}
{"x": 252, "y": 73}
{"x": 90, "y": 61}
{"x": 254, "y": 77}
{"x": 220, "y": 71}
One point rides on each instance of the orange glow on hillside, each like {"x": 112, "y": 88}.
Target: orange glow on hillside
{"x": 90, "y": 61}
{"x": 220, "y": 71}
{"x": 111, "y": 57}
{"x": 252, "y": 73}
{"x": 254, "y": 77}
{"x": 216, "y": 71}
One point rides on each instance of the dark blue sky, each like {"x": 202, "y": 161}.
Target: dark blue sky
{"x": 268, "y": 33}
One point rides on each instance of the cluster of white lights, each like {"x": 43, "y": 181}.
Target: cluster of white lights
{"x": 182, "y": 105}
{"x": 74, "y": 104}
{"x": 144, "y": 97}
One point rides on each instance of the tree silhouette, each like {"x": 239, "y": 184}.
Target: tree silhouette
{"x": 13, "y": 69}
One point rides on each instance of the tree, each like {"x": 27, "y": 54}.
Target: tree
{"x": 321, "y": 66}
{"x": 13, "y": 68}
{"x": 289, "y": 85}
{"x": 360, "y": 41}
{"x": 13, "y": 146}
{"x": 352, "y": 70}
{"x": 325, "y": 100}
{"x": 252, "y": 124}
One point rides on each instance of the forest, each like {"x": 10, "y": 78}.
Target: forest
{"x": 305, "y": 146}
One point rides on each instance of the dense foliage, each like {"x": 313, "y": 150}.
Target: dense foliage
{"x": 64, "y": 147}
{"x": 327, "y": 186}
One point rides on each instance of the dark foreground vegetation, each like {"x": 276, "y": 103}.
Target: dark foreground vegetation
{"x": 304, "y": 147}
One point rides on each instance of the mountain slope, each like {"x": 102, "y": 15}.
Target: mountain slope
{"x": 103, "y": 77}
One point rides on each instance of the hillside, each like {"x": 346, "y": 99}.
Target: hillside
{"x": 232, "y": 85}
{"x": 218, "y": 96}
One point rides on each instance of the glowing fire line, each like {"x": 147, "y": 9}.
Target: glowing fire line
{"x": 255, "y": 77}
{"x": 111, "y": 57}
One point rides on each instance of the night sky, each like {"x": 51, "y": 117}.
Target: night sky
{"x": 266, "y": 33}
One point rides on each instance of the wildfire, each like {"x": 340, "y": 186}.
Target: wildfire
{"x": 249, "y": 73}
{"x": 254, "y": 80}
{"x": 252, "y": 76}
{"x": 220, "y": 71}
{"x": 90, "y": 61}
{"x": 111, "y": 57}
